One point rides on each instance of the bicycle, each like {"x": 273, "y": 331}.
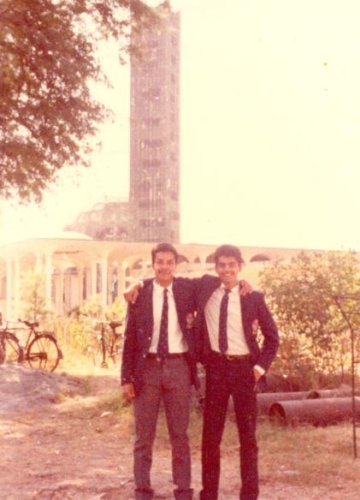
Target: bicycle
{"x": 110, "y": 344}
{"x": 10, "y": 348}
{"x": 41, "y": 348}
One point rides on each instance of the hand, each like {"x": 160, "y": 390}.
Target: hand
{"x": 128, "y": 391}
{"x": 257, "y": 375}
{"x": 245, "y": 287}
{"x": 132, "y": 292}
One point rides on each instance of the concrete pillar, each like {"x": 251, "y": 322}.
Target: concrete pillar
{"x": 111, "y": 268}
{"x": 16, "y": 296}
{"x": 86, "y": 282}
{"x": 61, "y": 293}
{"x": 9, "y": 289}
{"x": 122, "y": 280}
{"x": 93, "y": 278}
{"x": 48, "y": 278}
{"x": 38, "y": 263}
{"x": 104, "y": 283}
{"x": 116, "y": 271}
{"x": 80, "y": 274}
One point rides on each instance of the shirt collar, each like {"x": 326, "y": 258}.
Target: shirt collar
{"x": 158, "y": 288}
{"x": 233, "y": 289}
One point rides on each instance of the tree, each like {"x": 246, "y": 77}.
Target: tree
{"x": 33, "y": 297}
{"x": 314, "y": 336}
{"x": 47, "y": 60}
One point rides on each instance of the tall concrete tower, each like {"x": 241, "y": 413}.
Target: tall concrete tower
{"x": 155, "y": 133}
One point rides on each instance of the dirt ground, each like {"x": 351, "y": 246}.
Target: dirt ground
{"x": 59, "y": 442}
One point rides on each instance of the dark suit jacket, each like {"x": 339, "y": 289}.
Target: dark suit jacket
{"x": 253, "y": 308}
{"x": 139, "y": 329}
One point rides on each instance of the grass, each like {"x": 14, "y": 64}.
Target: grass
{"x": 305, "y": 456}
{"x": 308, "y": 455}
{"x": 114, "y": 403}
{"x": 301, "y": 456}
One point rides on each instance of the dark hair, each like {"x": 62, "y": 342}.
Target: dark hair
{"x": 164, "y": 247}
{"x": 228, "y": 251}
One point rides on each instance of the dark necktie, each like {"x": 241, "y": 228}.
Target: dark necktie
{"x": 163, "y": 344}
{"x": 223, "y": 342}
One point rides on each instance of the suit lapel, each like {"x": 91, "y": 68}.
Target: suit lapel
{"x": 147, "y": 308}
{"x": 242, "y": 306}
{"x": 244, "y": 301}
{"x": 245, "y": 313}
{"x": 175, "y": 291}
{"x": 209, "y": 289}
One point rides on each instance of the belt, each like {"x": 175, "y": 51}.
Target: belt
{"x": 177, "y": 355}
{"x": 231, "y": 357}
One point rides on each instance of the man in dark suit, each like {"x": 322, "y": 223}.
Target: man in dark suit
{"x": 159, "y": 363}
{"x": 235, "y": 368}
{"x": 227, "y": 324}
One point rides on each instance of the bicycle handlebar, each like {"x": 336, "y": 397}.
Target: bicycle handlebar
{"x": 30, "y": 324}
{"x": 112, "y": 323}
{"x": 115, "y": 323}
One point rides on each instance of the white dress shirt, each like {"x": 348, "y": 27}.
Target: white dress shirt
{"x": 235, "y": 333}
{"x": 177, "y": 342}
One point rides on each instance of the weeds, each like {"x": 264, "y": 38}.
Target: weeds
{"x": 302, "y": 456}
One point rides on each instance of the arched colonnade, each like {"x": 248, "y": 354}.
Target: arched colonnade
{"x": 76, "y": 268}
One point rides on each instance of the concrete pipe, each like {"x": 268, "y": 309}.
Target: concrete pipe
{"x": 266, "y": 399}
{"x": 330, "y": 393}
{"x": 315, "y": 411}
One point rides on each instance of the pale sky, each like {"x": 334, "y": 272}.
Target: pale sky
{"x": 270, "y": 129}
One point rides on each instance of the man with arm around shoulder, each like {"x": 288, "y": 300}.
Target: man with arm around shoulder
{"x": 234, "y": 366}
{"x": 227, "y": 325}
{"x": 159, "y": 364}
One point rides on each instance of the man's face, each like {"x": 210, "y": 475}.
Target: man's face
{"x": 227, "y": 269}
{"x": 164, "y": 267}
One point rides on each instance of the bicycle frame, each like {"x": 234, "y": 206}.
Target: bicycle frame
{"x": 108, "y": 348}
{"x": 38, "y": 346}
{"x": 32, "y": 333}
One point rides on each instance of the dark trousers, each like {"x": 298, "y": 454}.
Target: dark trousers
{"x": 168, "y": 381}
{"x": 224, "y": 378}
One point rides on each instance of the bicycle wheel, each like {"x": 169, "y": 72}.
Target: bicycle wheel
{"x": 2, "y": 351}
{"x": 11, "y": 350}
{"x": 115, "y": 347}
{"x": 43, "y": 352}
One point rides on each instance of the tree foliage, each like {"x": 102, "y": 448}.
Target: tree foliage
{"x": 83, "y": 328}
{"x": 33, "y": 297}
{"x": 314, "y": 335}
{"x": 47, "y": 59}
